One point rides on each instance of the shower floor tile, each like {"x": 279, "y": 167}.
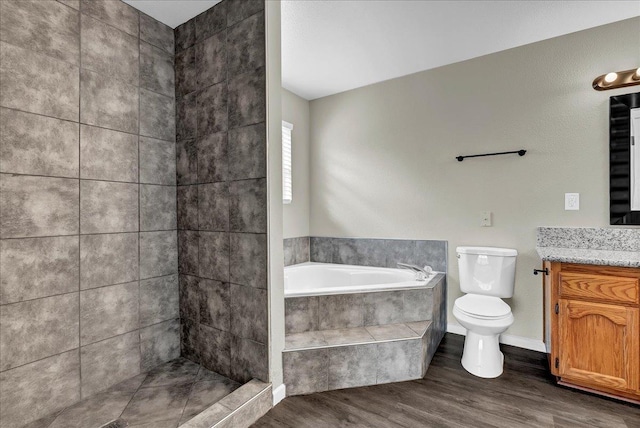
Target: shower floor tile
{"x": 166, "y": 397}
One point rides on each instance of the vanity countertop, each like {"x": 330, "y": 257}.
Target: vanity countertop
{"x": 594, "y": 246}
{"x": 590, "y": 257}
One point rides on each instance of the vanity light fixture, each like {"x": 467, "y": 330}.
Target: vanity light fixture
{"x": 617, "y": 80}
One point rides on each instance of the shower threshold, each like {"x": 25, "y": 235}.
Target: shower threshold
{"x": 166, "y": 397}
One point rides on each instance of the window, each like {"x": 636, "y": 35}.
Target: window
{"x": 287, "y": 192}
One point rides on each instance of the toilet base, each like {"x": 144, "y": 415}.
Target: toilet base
{"x": 481, "y": 356}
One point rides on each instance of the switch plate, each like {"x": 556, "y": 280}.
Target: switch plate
{"x": 485, "y": 218}
{"x": 572, "y": 201}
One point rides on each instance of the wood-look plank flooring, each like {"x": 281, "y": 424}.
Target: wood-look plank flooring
{"x": 524, "y": 396}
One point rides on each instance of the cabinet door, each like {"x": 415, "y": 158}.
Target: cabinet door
{"x": 599, "y": 345}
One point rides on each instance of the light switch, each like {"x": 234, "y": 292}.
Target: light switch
{"x": 572, "y": 201}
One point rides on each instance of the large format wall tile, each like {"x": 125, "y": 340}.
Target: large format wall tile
{"x": 352, "y": 366}
{"x": 108, "y": 259}
{"x": 301, "y": 314}
{"x": 248, "y": 152}
{"x": 47, "y": 27}
{"x": 159, "y": 343}
{"x": 186, "y": 117}
{"x": 185, "y": 35}
{"x": 157, "y": 207}
{"x": 156, "y": 70}
{"x": 186, "y": 162}
{"x": 211, "y": 60}
{"x": 37, "y": 83}
{"x": 214, "y": 349}
{"x": 246, "y": 47}
{"x": 107, "y": 207}
{"x": 249, "y": 359}
{"x": 187, "y": 199}
{"x": 108, "y": 102}
{"x": 54, "y": 383}
{"x": 159, "y": 300}
{"x": 341, "y": 311}
{"x": 157, "y": 161}
{"x": 186, "y": 80}
{"x": 108, "y": 155}
{"x": 215, "y": 307}
{"x": 249, "y": 317}
{"x": 39, "y": 145}
{"x": 190, "y": 297}
{"x": 108, "y": 311}
{"x": 242, "y": 9}
{"x": 213, "y": 252}
{"x": 212, "y": 158}
{"x": 158, "y": 254}
{"x": 38, "y": 267}
{"x": 109, "y": 362}
{"x": 213, "y": 207}
{"x": 248, "y": 259}
{"x": 156, "y": 33}
{"x": 38, "y": 206}
{"x": 36, "y": 329}
{"x": 116, "y": 13}
{"x": 399, "y": 361}
{"x": 157, "y": 116}
{"x": 248, "y": 206}
{"x": 109, "y": 51}
{"x": 306, "y": 371}
{"x": 212, "y": 109}
{"x": 188, "y": 252}
{"x": 247, "y": 99}
{"x": 211, "y": 21}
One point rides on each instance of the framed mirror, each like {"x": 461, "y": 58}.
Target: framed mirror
{"x": 624, "y": 159}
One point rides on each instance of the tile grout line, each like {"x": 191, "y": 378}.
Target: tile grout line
{"x": 80, "y": 393}
{"x": 139, "y": 211}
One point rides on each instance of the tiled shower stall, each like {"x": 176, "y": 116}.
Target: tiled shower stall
{"x": 132, "y": 198}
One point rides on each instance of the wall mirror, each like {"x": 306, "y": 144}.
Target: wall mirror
{"x": 624, "y": 159}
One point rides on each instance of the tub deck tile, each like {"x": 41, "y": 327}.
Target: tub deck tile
{"x": 391, "y": 331}
{"x": 347, "y": 336}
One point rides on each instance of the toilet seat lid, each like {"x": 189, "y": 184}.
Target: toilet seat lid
{"x": 487, "y": 307}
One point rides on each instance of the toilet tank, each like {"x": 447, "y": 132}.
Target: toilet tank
{"x": 489, "y": 271}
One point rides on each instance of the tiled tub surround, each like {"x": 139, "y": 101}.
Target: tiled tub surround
{"x": 177, "y": 393}
{"x": 597, "y": 246}
{"x": 221, "y": 173}
{"x": 349, "y": 340}
{"x": 88, "y": 250}
{"x": 366, "y": 252}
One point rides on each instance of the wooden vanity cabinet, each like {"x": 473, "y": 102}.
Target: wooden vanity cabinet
{"x": 594, "y": 317}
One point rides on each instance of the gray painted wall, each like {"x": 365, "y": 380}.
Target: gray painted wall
{"x": 222, "y": 189}
{"x": 88, "y": 255}
{"x": 383, "y": 156}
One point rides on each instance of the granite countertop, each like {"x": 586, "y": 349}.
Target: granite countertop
{"x": 594, "y": 246}
{"x": 590, "y": 256}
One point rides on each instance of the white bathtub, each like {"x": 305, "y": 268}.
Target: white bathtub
{"x": 317, "y": 279}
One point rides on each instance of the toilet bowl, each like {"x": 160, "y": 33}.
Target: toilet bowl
{"x": 487, "y": 275}
{"x": 481, "y": 356}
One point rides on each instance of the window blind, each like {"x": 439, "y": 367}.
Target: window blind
{"x": 287, "y": 191}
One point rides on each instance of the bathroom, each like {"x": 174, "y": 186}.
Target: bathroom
{"x": 143, "y": 230}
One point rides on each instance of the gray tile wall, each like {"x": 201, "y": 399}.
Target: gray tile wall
{"x": 88, "y": 249}
{"x": 379, "y": 252}
{"x": 296, "y": 250}
{"x": 221, "y": 177}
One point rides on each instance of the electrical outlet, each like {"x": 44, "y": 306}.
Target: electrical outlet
{"x": 485, "y": 218}
{"x": 572, "y": 201}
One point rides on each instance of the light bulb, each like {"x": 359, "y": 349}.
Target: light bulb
{"x": 611, "y": 77}
{"x": 636, "y": 75}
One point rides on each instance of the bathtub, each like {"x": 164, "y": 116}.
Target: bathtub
{"x": 320, "y": 279}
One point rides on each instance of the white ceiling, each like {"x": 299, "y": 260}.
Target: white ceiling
{"x": 333, "y": 46}
{"x": 172, "y": 12}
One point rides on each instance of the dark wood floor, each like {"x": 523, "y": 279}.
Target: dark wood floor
{"x": 524, "y": 396}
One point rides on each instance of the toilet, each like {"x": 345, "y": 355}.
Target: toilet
{"x": 487, "y": 275}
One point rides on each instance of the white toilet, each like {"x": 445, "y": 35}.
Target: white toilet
{"x": 487, "y": 275}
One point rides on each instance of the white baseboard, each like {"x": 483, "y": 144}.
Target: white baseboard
{"x": 279, "y": 394}
{"x": 507, "y": 339}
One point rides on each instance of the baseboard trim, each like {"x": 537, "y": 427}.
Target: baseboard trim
{"x": 507, "y": 339}
{"x": 279, "y": 394}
